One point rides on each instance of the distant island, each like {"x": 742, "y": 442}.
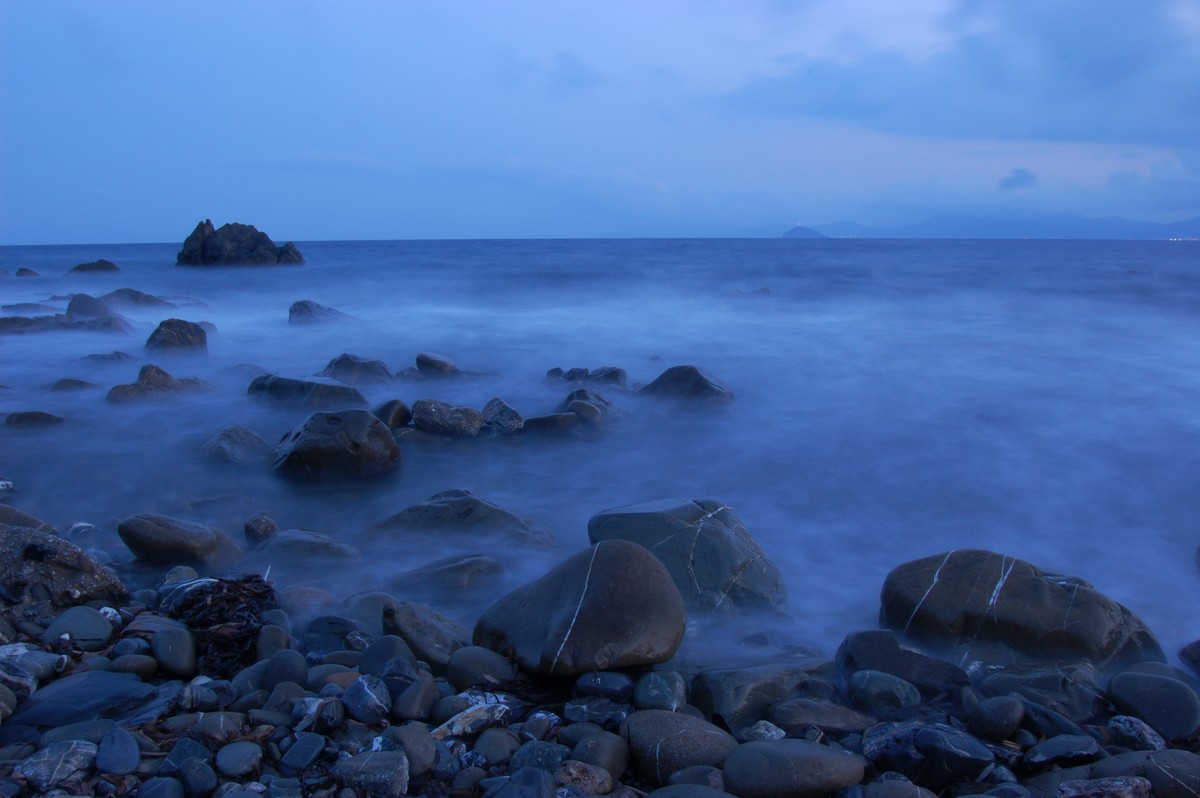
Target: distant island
{"x": 1046, "y": 226}
{"x": 803, "y": 232}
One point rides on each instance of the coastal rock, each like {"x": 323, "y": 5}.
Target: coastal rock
{"x": 71, "y": 384}
{"x": 983, "y": 605}
{"x": 441, "y": 418}
{"x": 663, "y": 742}
{"x": 715, "y": 562}
{"x": 133, "y": 298}
{"x": 933, "y": 755}
{"x": 231, "y": 244}
{"x": 790, "y": 769}
{"x": 236, "y": 444}
{"x": 350, "y": 444}
{"x": 737, "y": 697}
{"x": 608, "y": 607}
{"x": 435, "y": 365}
{"x": 831, "y": 718}
{"x": 63, "y": 764}
{"x": 304, "y": 546}
{"x": 86, "y": 306}
{"x": 177, "y": 335}
{"x": 306, "y": 311}
{"x": 44, "y": 574}
{"x": 432, "y": 636}
{"x": 459, "y": 512}
{"x": 26, "y": 272}
{"x": 96, "y": 266}
{"x": 84, "y": 626}
{"x": 376, "y": 773}
{"x": 154, "y": 382}
{"x": 171, "y": 541}
{"x": 305, "y": 393}
{"x": 32, "y": 418}
{"x": 11, "y": 516}
{"x": 395, "y": 413}
{"x": 686, "y": 382}
{"x": 1168, "y": 705}
{"x": 500, "y": 416}
{"x": 352, "y": 369}
{"x": 877, "y": 650}
{"x": 450, "y": 577}
{"x": 80, "y": 697}
{"x": 18, "y": 325}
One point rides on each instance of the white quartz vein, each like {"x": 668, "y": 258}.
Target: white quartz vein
{"x": 578, "y": 607}
{"x": 932, "y": 582}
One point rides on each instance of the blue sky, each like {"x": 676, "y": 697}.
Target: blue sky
{"x": 131, "y": 121}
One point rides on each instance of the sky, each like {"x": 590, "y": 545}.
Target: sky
{"x": 130, "y": 121}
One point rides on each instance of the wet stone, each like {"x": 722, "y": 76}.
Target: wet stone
{"x": 525, "y": 783}
{"x": 89, "y": 731}
{"x": 306, "y": 749}
{"x": 540, "y": 754}
{"x": 367, "y": 699}
{"x": 874, "y": 692}
{"x": 285, "y": 665}
{"x": 933, "y": 756}
{"x": 1064, "y": 750}
{"x": 175, "y": 651}
{"x": 588, "y": 779}
{"x": 996, "y": 719}
{"x": 790, "y": 768}
{"x": 499, "y": 415}
{"x": 1168, "y": 705}
{"x": 162, "y": 787}
{"x": 118, "y": 753}
{"x": 595, "y": 709}
{"x": 84, "y": 626}
{"x": 382, "y": 773}
{"x": 660, "y": 690}
{"x": 604, "y": 749}
{"x": 1115, "y": 787}
{"x": 62, "y": 764}
{"x": 197, "y": 776}
{"x": 1134, "y": 733}
{"x": 606, "y": 684}
{"x": 239, "y": 759}
{"x": 327, "y": 633}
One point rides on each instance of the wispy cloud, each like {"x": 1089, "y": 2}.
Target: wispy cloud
{"x": 1017, "y": 179}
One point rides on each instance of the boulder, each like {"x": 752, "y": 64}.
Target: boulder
{"x": 459, "y": 512}
{"x": 432, "y": 364}
{"x": 19, "y": 325}
{"x": 974, "y": 604}
{"x": 305, "y": 393}
{"x": 134, "y": 298}
{"x": 790, "y": 769}
{"x": 662, "y": 742}
{"x": 26, "y": 272}
{"x": 86, "y": 306}
{"x": 686, "y": 382}
{"x": 177, "y": 335}
{"x": 44, "y": 574}
{"x": 231, "y": 244}
{"x": 153, "y": 382}
{"x": 451, "y": 576}
{"x": 308, "y": 312}
{"x": 441, "y": 418}
{"x": 236, "y": 444}
{"x": 608, "y": 607}
{"x": 395, "y": 413}
{"x": 11, "y": 516}
{"x": 32, "y": 418}
{"x": 101, "y": 265}
{"x": 502, "y": 417}
{"x": 877, "y": 650}
{"x": 715, "y": 562}
{"x": 164, "y": 540}
{"x": 352, "y": 369}
{"x": 348, "y": 444}
{"x": 304, "y": 546}
{"x": 432, "y": 636}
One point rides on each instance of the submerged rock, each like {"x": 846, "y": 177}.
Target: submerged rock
{"x": 305, "y": 393}
{"x": 134, "y": 298}
{"x": 441, "y": 418}
{"x": 714, "y": 560}
{"x": 172, "y": 541}
{"x": 100, "y": 265}
{"x": 175, "y": 335}
{"x": 459, "y": 512}
{"x": 983, "y": 605}
{"x": 348, "y": 444}
{"x": 686, "y": 382}
{"x": 153, "y": 382}
{"x": 32, "y": 418}
{"x": 43, "y": 574}
{"x": 609, "y": 607}
{"x": 308, "y": 312}
{"x": 235, "y": 444}
{"x": 232, "y": 244}
{"x": 435, "y": 365}
{"x": 352, "y": 369}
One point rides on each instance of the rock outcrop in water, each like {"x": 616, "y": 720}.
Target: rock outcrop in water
{"x": 234, "y": 244}
{"x": 348, "y": 444}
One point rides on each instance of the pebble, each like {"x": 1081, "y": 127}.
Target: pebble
{"x": 239, "y": 759}
{"x": 1168, "y": 705}
{"x": 175, "y": 651}
{"x": 118, "y": 753}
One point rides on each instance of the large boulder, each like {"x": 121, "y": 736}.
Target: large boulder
{"x": 101, "y": 265}
{"x": 231, "y": 244}
{"x": 346, "y": 444}
{"x": 305, "y": 393}
{"x": 608, "y": 607}
{"x": 791, "y": 768}
{"x": 442, "y": 418}
{"x": 164, "y": 540}
{"x": 459, "y": 512}
{"x": 177, "y": 335}
{"x": 44, "y": 574}
{"x": 352, "y": 369}
{"x": 306, "y": 311}
{"x": 975, "y": 604}
{"x": 662, "y": 742}
{"x": 715, "y": 562}
{"x": 686, "y": 382}
{"x": 134, "y": 298}
{"x": 153, "y": 382}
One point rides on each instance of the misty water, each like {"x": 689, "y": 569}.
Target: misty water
{"x": 894, "y": 399}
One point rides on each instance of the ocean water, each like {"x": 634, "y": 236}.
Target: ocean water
{"x": 894, "y": 400}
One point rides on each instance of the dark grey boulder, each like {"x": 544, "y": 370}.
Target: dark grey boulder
{"x": 432, "y": 364}
{"x": 165, "y": 540}
{"x": 734, "y": 697}
{"x": 933, "y": 755}
{"x": 979, "y": 604}
{"x": 686, "y": 382}
{"x": 84, "y": 626}
{"x": 367, "y": 699}
{"x": 32, "y": 418}
{"x": 878, "y": 692}
{"x": 154, "y": 383}
{"x": 177, "y": 335}
{"x": 1069, "y": 689}
{"x": 1063, "y": 750}
{"x": 878, "y": 650}
{"x": 352, "y": 369}
{"x": 349, "y": 444}
{"x": 306, "y": 311}
{"x": 499, "y": 415}
{"x": 234, "y": 244}
{"x": 1168, "y": 705}
{"x": 996, "y": 719}
{"x": 442, "y": 418}
{"x": 66, "y": 764}
{"x": 663, "y": 742}
{"x": 790, "y": 769}
{"x": 553, "y": 423}
{"x": 86, "y": 306}
{"x": 378, "y": 773}
{"x": 432, "y": 636}
{"x": 82, "y": 696}
{"x": 236, "y": 444}
{"x": 118, "y": 753}
{"x": 305, "y": 393}
{"x": 395, "y": 413}
{"x": 92, "y": 267}
{"x": 714, "y": 560}
{"x": 133, "y": 298}
{"x": 460, "y": 513}
{"x": 608, "y": 607}
{"x": 45, "y": 575}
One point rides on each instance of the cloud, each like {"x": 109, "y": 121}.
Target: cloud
{"x": 1018, "y": 178}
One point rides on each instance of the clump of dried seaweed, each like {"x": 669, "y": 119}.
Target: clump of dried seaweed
{"x": 225, "y": 616}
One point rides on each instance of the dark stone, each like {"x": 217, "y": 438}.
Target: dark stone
{"x": 87, "y": 306}
{"x": 352, "y": 370}
{"x": 26, "y": 272}
{"x": 71, "y": 384}
{"x": 198, "y": 777}
{"x": 732, "y": 697}
{"x": 603, "y": 712}
{"x": 236, "y": 444}
{"x": 174, "y": 335}
{"x": 1134, "y": 734}
{"x": 608, "y": 375}
{"x": 790, "y": 769}
{"x": 1173, "y": 773}
{"x": 664, "y": 742}
{"x": 134, "y": 298}
{"x": 831, "y": 718}
{"x": 984, "y": 605}
{"x": 376, "y": 656}
{"x": 435, "y": 365}
{"x": 172, "y": 541}
{"x": 996, "y": 719}
{"x": 175, "y": 651}
{"x": 611, "y": 606}
{"x": 367, "y": 699}
{"x": 452, "y": 576}
{"x": 101, "y": 265}
{"x": 1168, "y": 705}
{"x": 308, "y": 312}
{"x": 1068, "y": 689}
{"x": 688, "y": 791}
{"x": 606, "y": 684}
{"x": 525, "y": 783}
{"x": 476, "y": 666}
{"x": 713, "y": 559}
{"x": 32, "y": 418}
{"x": 394, "y": 413}
{"x": 82, "y": 696}
{"x": 668, "y": 690}
{"x": 162, "y": 787}
{"x": 66, "y": 765}
{"x": 305, "y": 393}
{"x": 498, "y": 414}
{"x": 84, "y": 626}
{"x": 441, "y": 418}
{"x": 432, "y": 636}
{"x": 378, "y": 773}
{"x": 153, "y": 382}
{"x": 686, "y": 382}
{"x": 1064, "y": 750}
{"x": 1115, "y": 787}
{"x": 240, "y": 759}
{"x": 349, "y": 444}
{"x": 44, "y": 574}
{"x": 118, "y": 753}
{"x": 231, "y": 244}
{"x": 539, "y": 754}
{"x": 458, "y": 512}
{"x": 11, "y": 516}
{"x": 875, "y": 692}
{"x": 327, "y": 633}
{"x": 305, "y": 751}
{"x": 555, "y": 422}
{"x": 933, "y": 756}
{"x": 877, "y": 650}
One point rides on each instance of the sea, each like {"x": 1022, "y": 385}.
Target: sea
{"x": 894, "y": 399}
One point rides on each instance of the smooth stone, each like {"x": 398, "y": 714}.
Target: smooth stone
{"x": 1064, "y": 750}
{"x": 375, "y": 657}
{"x": 173, "y": 335}
{"x": 165, "y": 540}
{"x": 996, "y": 719}
{"x": 606, "y": 684}
{"x": 83, "y": 625}
{"x": 435, "y": 365}
{"x": 660, "y": 690}
{"x": 663, "y": 742}
{"x": 1173, "y": 773}
{"x": 1115, "y": 787}
{"x": 1069, "y": 689}
{"x": 352, "y": 369}
{"x": 459, "y": 512}
{"x": 239, "y": 759}
{"x": 88, "y": 731}
{"x": 305, "y": 393}
{"x": 442, "y": 418}
{"x": 423, "y": 751}
{"x": 932, "y": 756}
{"x": 539, "y": 754}
{"x": 416, "y": 702}
{"x": 61, "y": 764}
{"x": 383, "y": 773}
{"x": 197, "y": 777}
{"x": 118, "y": 753}
{"x": 162, "y": 787}
{"x": 271, "y": 640}
{"x": 790, "y": 769}
{"x": 81, "y": 696}
{"x": 367, "y": 699}
{"x": 394, "y": 413}
{"x": 236, "y": 444}
{"x": 304, "y": 751}
{"x": 827, "y": 716}
{"x": 432, "y": 636}
{"x": 175, "y": 651}
{"x": 1168, "y": 705}
{"x": 472, "y": 666}
{"x": 588, "y": 779}
{"x": 736, "y": 697}
{"x": 688, "y": 791}
{"x": 496, "y": 745}
{"x": 285, "y": 665}
{"x": 327, "y": 633}
{"x": 686, "y": 382}
{"x": 878, "y": 650}
{"x": 141, "y": 665}
{"x": 603, "y": 749}
{"x": 525, "y": 783}
{"x": 308, "y": 312}
{"x": 337, "y": 445}
{"x": 875, "y": 691}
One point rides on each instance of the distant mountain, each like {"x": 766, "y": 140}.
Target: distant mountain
{"x": 803, "y": 232}
{"x": 1049, "y": 226}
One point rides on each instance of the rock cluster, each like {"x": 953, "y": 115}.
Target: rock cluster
{"x": 233, "y": 244}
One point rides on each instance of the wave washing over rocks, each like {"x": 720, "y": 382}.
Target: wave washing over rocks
{"x": 195, "y": 659}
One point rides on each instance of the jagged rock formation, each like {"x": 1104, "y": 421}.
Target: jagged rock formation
{"x": 232, "y": 244}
